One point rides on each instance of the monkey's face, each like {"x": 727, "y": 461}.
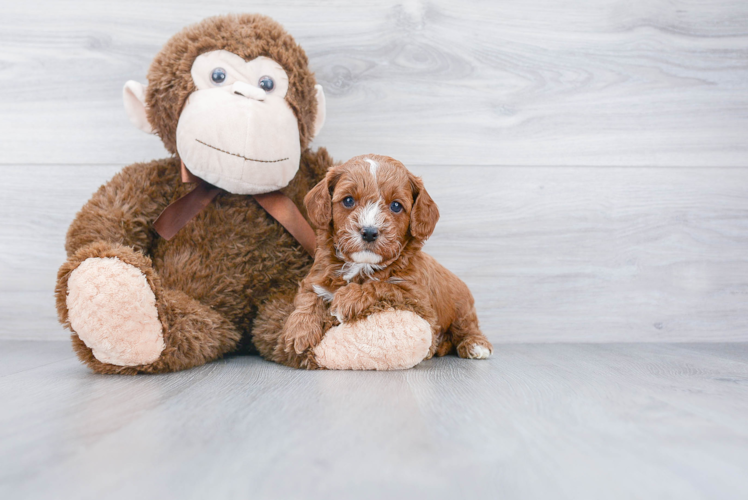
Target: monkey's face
{"x": 236, "y": 131}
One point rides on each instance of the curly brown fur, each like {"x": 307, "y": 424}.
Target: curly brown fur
{"x": 211, "y": 278}
{"x": 248, "y": 36}
{"x": 212, "y": 281}
{"x": 352, "y": 278}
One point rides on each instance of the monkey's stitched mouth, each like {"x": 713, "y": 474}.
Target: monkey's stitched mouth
{"x": 240, "y": 156}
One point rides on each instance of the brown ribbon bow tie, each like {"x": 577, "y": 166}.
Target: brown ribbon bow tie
{"x": 278, "y": 205}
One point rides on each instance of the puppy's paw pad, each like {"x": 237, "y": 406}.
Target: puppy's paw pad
{"x": 478, "y": 351}
{"x": 474, "y": 350}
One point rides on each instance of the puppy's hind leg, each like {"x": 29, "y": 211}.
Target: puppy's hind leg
{"x": 467, "y": 337}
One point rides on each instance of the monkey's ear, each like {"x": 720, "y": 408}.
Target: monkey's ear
{"x": 134, "y": 96}
{"x": 319, "y": 120}
{"x": 425, "y": 214}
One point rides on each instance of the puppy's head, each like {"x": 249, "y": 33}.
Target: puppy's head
{"x": 373, "y": 207}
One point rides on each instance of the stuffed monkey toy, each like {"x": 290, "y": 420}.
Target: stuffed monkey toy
{"x": 176, "y": 262}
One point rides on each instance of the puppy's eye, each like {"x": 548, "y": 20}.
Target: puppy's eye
{"x": 396, "y": 207}
{"x": 348, "y": 202}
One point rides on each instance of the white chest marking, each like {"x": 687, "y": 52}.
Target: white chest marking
{"x": 366, "y": 257}
{"x": 352, "y": 269}
{"x": 323, "y": 293}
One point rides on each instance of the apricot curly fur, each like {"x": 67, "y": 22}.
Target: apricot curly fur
{"x": 405, "y": 279}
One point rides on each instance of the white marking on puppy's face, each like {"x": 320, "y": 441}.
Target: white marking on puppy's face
{"x": 366, "y": 257}
{"x": 363, "y": 222}
{"x": 323, "y": 293}
{"x": 372, "y": 167}
{"x": 370, "y": 216}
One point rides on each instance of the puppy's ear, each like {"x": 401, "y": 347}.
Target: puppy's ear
{"x": 424, "y": 214}
{"x": 318, "y": 202}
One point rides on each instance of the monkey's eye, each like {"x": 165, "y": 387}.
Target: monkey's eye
{"x": 396, "y": 207}
{"x": 348, "y": 202}
{"x": 266, "y": 83}
{"x": 218, "y": 76}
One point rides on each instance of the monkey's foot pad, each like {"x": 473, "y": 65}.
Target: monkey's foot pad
{"x": 389, "y": 340}
{"x": 113, "y": 310}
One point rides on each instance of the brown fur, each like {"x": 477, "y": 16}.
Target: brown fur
{"x": 406, "y": 278}
{"x": 211, "y": 280}
{"x": 233, "y": 264}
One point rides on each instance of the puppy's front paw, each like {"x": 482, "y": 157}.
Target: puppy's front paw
{"x": 475, "y": 349}
{"x": 349, "y": 303}
{"x": 301, "y": 333}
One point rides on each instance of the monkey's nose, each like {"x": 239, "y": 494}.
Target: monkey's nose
{"x": 369, "y": 234}
{"x": 249, "y": 91}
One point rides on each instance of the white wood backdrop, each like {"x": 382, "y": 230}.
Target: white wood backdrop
{"x": 590, "y": 158}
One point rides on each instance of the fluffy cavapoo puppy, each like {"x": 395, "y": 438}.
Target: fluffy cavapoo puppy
{"x": 372, "y": 218}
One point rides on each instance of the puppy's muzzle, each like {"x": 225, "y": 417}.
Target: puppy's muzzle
{"x": 369, "y": 234}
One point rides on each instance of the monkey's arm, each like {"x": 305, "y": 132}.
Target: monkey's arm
{"x": 122, "y": 211}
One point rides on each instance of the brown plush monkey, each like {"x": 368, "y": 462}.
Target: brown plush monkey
{"x": 175, "y": 262}
{"x": 234, "y": 99}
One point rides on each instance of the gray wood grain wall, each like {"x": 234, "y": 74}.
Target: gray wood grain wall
{"x": 590, "y": 158}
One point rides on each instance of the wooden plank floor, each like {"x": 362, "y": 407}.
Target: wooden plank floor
{"x": 575, "y": 421}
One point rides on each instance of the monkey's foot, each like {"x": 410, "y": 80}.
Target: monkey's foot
{"x": 113, "y": 310}
{"x": 389, "y": 340}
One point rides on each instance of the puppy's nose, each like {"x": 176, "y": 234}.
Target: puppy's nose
{"x": 369, "y": 234}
